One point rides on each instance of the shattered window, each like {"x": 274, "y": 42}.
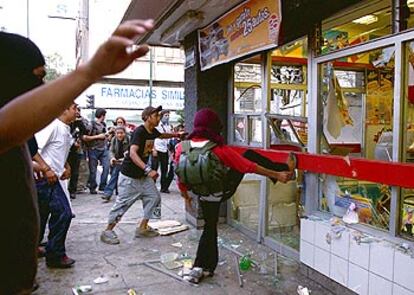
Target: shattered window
{"x": 357, "y": 97}
{"x": 247, "y": 86}
{"x": 356, "y": 201}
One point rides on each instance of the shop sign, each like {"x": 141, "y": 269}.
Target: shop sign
{"x": 250, "y": 27}
{"x": 135, "y": 97}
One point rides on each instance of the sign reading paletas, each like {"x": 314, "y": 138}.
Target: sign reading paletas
{"x": 250, "y": 27}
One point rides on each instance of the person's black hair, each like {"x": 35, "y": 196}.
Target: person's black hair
{"x": 99, "y": 113}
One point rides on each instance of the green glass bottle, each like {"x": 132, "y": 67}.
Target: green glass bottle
{"x": 245, "y": 263}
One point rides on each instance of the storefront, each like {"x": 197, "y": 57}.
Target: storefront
{"x": 342, "y": 98}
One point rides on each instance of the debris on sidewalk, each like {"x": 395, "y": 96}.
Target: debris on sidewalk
{"x": 101, "y": 280}
{"x": 177, "y": 245}
{"x": 239, "y": 276}
{"x": 81, "y": 289}
{"x": 131, "y": 292}
{"x": 169, "y": 260}
{"x": 351, "y": 216}
{"x": 168, "y": 227}
{"x": 245, "y": 262}
{"x": 238, "y": 253}
{"x": 163, "y": 224}
{"x": 172, "y": 275}
{"x": 303, "y": 290}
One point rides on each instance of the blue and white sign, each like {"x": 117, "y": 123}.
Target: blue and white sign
{"x": 135, "y": 97}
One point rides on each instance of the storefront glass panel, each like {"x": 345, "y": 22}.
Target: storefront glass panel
{"x": 372, "y": 200}
{"x": 255, "y": 130}
{"x": 409, "y": 13}
{"x": 247, "y": 130}
{"x": 247, "y": 86}
{"x": 357, "y": 95}
{"x": 245, "y": 203}
{"x": 367, "y": 22}
{"x": 240, "y": 130}
{"x": 287, "y": 123}
{"x": 407, "y": 195}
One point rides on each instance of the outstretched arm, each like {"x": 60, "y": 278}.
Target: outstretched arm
{"x": 35, "y": 109}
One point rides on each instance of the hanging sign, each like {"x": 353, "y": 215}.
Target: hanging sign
{"x": 250, "y": 27}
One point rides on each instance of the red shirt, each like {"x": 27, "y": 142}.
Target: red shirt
{"x": 226, "y": 155}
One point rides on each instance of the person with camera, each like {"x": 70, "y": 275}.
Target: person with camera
{"x": 97, "y": 145}
{"x": 78, "y": 128}
{"x": 118, "y": 148}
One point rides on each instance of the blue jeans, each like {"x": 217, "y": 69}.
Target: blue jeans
{"x": 113, "y": 181}
{"x": 53, "y": 201}
{"x": 94, "y": 157}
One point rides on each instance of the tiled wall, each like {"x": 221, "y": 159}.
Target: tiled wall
{"x": 376, "y": 268}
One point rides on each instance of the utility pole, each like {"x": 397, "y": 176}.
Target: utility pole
{"x": 150, "y": 76}
{"x": 27, "y": 19}
{"x": 82, "y": 35}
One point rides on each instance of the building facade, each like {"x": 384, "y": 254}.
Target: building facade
{"x": 156, "y": 79}
{"x": 335, "y": 88}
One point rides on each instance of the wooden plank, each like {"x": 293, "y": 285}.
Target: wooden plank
{"x": 390, "y": 173}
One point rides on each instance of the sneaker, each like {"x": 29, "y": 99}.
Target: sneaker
{"x": 72, "y": 196}
{"x": 93, "y": 192}
{"x": 106, "y": 198}
{"x": 195, "y": 276}
{"x": 109, "y": 237}
{"x": 62, "y": 262}
{"x": 165, "y": 191}
{"x": 146, "y": 233}
{"x": 35, "y": 286}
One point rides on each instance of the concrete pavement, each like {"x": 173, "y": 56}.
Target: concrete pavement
{"x": 121, "y": 264}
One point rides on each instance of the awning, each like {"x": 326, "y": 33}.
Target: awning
{"x": 174, "y": 19}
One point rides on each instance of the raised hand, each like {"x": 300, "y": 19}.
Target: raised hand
{"x": 119, "y": 51}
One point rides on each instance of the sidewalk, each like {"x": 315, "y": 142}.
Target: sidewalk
{"x": 121, "y": 263}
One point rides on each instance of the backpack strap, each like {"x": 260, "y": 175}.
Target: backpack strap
{"x": 208, "y": 146}
{"x": 185, "y": 149}
{"x": 185, "y": 146}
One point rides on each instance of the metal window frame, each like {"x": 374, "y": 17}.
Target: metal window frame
{"x": 398, "y": 41}
{"x": 315, "y": 119}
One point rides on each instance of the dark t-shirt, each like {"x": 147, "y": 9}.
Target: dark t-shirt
{"x": 97, "y": 128}
{"x": 19, "y": 221}
{"x": 145, "y": 143}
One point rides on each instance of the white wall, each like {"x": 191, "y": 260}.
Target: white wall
{"x": 377, "y": 267}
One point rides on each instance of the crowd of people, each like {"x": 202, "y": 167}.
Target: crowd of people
{"x": 39, "y": 161}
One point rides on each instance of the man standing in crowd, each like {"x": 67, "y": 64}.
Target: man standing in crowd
{"x": 161, "y": 155}
{"x": 136, "y": 180}
{"x": 97, "y": 151}
{"x": 54, "y": 143}
{"x": 119, "y": 145}
{"x": 78, "y": 128}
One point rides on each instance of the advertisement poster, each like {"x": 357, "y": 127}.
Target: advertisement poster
{"x": 250, "y": 27}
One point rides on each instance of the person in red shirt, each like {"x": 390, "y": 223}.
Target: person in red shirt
{"x": 207, "y": 127}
